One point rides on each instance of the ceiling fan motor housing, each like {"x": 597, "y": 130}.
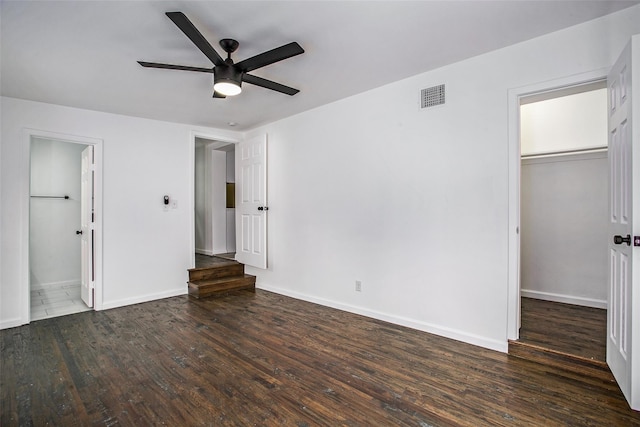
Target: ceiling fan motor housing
{"x": 227, "y": 73}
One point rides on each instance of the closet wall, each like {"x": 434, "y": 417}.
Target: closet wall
{"x": 54, "y": 246}
{"x": 231, "y": 211}
{"x": 564, "y": 233}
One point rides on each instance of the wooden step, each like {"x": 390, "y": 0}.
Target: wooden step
{"x": 220, "y": 270}
{"x": 569, "y": 363}
{"x": 221, "y": 285}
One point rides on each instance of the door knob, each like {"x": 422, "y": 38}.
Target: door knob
{"x": 618, "y": 240}
{"x": 263, "y": 208}
{"x": 78, "y": 231}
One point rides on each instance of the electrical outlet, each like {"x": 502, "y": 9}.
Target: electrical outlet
{"x": 358, "y": 286}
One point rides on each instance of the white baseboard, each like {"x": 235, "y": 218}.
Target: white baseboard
{"x": 491, "y": 344}
{"x": 12, "y": 323}
{"x": 204, "y": 252}
{"x": 567, "y": 299}
{"x": 143, "y": 298}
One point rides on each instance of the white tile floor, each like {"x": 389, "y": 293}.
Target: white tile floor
{"x": 55, "y": 300}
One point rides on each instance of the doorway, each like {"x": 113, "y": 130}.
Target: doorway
{"x": 95, "y": 264}
{"x": 214, "y": 198}
{"x": 563, "y": 217}
{"x": 55, "y": 254}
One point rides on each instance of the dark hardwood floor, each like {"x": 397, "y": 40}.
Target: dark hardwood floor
{"x": 566, "y": 328}
{"x": 264, "y": 359}
{"x": 204, "y": 261}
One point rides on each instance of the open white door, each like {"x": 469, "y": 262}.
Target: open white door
{"x": 251, "y": 202}
{"x": 86, "y": 227}
{"x": 624, "y": 221}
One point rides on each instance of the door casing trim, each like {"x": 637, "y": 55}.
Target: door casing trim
{"x": 513, "y": 245}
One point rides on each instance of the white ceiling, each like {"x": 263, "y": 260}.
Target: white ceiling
{"x": 83, "y": 53}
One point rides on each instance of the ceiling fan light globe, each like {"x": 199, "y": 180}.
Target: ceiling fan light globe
{"x": 227, "y": 88}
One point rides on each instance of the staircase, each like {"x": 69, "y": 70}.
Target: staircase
{"x": 220, "y": 277}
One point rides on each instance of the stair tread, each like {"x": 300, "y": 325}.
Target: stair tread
{"x": 225, "y": 263}
{"x": 544, "y": 350}
{"x": 218, "y": 280}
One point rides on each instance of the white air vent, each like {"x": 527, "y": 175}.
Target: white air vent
{"x": 432, "y": 96}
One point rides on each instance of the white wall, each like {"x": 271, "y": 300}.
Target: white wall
{"x": 201, "y": 202}
{"x": 146, "y": 250}
{"x": 54, "y": 245}
{"x": 415, "y": 203}
{"x": 231, "y": 163}
{"x": 231, "y": 212}
{"x": 567, "y": 123}
{"x": 217, "y": 177}
{"x": 564, "y": 203}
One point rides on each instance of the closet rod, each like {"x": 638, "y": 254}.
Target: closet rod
{"x": 565, "y": 153}
{"x": 51, "y": 197}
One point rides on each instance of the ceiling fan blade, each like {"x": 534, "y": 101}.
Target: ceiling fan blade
{"x": 175, "y": 67}
{"x": 270, "y": 56}
{"x": 218, "y": 95}
{"x": 195, "y": 36}
{"x": 259, "y": 81}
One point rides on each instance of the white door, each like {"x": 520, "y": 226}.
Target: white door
{"x": 251, "y": 202}
{"x": 86, "y": 226}
{"x": 624, "y": 176}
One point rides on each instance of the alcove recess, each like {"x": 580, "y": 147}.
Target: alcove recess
{"x": 231, "y": 195}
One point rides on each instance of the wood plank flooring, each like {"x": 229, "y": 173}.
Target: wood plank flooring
{"x": 566, "y": 328}
{"x": 265, "y": 359}
{"x": 204, "y": 261}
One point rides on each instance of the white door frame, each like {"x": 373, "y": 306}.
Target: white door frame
{"x": 192, "y": 181}
{"x": 513, "y": 247}
{"x": 27, "y": 135}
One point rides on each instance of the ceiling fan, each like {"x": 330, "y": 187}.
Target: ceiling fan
{"x": 227, "y": 75}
